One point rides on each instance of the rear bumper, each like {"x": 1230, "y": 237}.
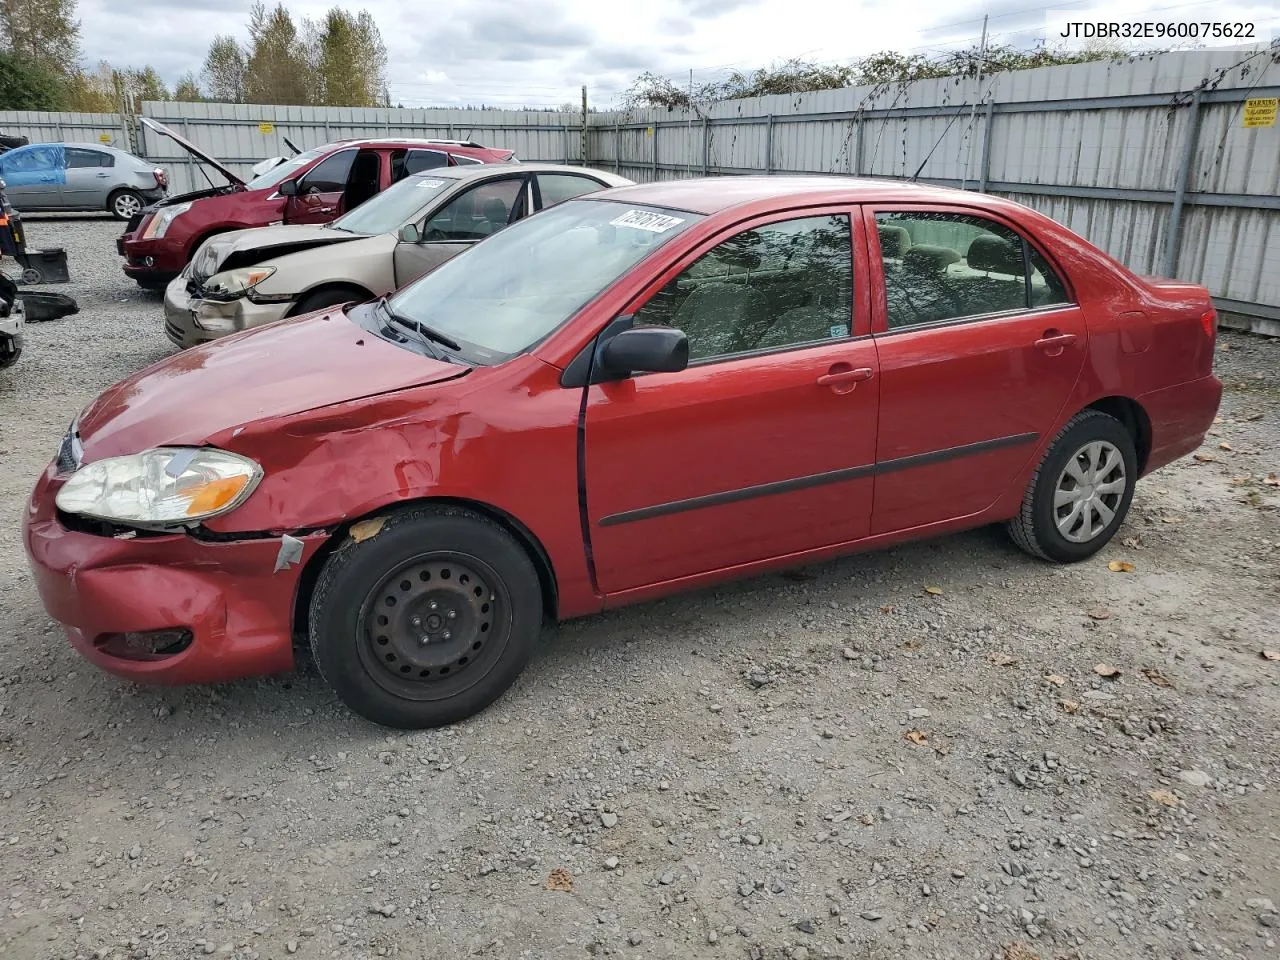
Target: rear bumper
{"x": 1180, "y": 418}
{"x": 236, "y": 611}
{"x": 189, "y": 320}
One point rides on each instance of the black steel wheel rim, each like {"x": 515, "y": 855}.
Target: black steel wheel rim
{"x": 434, "y": 626}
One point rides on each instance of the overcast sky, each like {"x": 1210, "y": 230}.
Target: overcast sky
{"x": 539, "y": 52}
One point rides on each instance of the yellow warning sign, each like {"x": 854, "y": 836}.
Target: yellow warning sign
{"x": 104, "y": 138}
{"x": 266, "y": 128}
{"x": 1261, "y": 112}
{"x": 648, "y": 131}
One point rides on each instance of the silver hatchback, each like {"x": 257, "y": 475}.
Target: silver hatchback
{"x": 80, "y": 177}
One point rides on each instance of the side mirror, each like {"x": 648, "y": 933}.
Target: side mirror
{"x": 409, "y": 233}
{"x": 646, "y": 350}
{"x": 288, "y": 188}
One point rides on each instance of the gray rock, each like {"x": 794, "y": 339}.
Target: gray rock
{"x": 1261, "y": 903}
{"x": 609, "y": 819}
{"x": 1197, "y": 778}
{"x": 611, "y": 863}
{"x": 804, "y": 926}
{"x": 919, "y": 713}
{"x": 872, "y": 915}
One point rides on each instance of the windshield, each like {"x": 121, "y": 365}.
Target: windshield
{"x": 514, "y": 288}
{"x": 390, "y": 210}
{"x": 284, "y": 170}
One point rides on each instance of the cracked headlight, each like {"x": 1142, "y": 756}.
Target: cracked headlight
{"x": 164, "y": 487}
{"x": 235, "y": 283}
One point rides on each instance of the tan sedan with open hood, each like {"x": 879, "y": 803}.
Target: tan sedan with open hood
{"x": 247, "y": 278}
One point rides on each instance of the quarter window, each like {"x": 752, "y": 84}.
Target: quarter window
{"x": 772, "y": 287}
{"x": 330, "y": 174}
{"x": 558, "y": 187}
{"x": 948, "y": 266}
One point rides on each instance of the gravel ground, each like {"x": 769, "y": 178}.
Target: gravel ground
{"x": 906, "y": 754}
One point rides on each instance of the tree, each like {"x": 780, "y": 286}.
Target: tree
{"x": 187, "y": 89}
{"x": 140, "y": 85}
{"x": 277, "y": 68}
{"x": 879, "y": 69}
{"x": 41, "y": 33}
{"x": 224, "y": 69}
{"x": 350, "y": 60}
{"x": 27, "y": 87}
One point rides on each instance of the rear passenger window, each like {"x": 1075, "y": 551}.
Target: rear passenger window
{"x": 776, "y": 286}
{"x": 948, "y": 266}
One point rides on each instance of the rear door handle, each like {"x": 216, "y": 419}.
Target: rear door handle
{"x": 842, "y": 375}
{"x": 1054, "y": 340}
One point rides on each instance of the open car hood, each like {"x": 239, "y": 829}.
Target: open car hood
{"x": 192, "y": 149}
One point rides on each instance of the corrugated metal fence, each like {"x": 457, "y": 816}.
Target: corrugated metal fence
{"x": 1148, "y": 158}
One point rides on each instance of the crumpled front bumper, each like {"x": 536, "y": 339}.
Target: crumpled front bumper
{"x": 236, "y": 609}
{"x": 188, "y": 319}
{"x": 11, "y": 335}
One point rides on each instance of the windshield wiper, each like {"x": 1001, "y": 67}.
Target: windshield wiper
{"x": 418, "y": 327}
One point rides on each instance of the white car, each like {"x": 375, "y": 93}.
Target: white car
{"x": 11, "y": 324}
{"x": 247, "y": 278}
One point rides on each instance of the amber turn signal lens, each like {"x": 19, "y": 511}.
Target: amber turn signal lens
{"x": 214, "y": 495}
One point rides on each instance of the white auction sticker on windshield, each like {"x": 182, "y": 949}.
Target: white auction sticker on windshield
{"x": 645, "y": 220}
{"x": 431, "y": 183}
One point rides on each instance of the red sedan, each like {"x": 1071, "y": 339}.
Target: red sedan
{"x": 654, "y": 388}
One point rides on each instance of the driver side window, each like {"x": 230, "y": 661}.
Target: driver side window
{"x": 777, "y": 286}
{"x": 482, "y": 210}
{"x": 329, "y": 175}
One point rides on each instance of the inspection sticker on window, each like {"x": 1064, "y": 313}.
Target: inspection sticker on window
{"x": 644, "y": 220}
{"x": 433, "y": 184}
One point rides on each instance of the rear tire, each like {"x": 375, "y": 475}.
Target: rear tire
{"x": 426, "y": 620}
{"x": 1080, "y": 493}
{"x": 123, "y": 204}
{"x": 332, "y": 297}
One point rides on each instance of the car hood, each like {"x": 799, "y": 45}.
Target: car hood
{"x": 192, "y": 149}
{"x": 243, "y": 248}
{"x": 286, "y": 368}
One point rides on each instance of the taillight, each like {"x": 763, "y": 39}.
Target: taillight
{"x": 1209, "y": 320}
{"x": 162, "y": 178}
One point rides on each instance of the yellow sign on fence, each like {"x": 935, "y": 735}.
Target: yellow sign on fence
{"x": 266, "y": 128}
{"x": 1261, "y": 112}
{"x": 104, "y": 138}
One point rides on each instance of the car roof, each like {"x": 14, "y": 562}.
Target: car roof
{"x": 708, "y": 195}
{"x": 444, "y": 146}
{"x": 471, "y": 172}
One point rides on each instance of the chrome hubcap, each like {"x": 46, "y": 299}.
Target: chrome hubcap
{"x": 1089, "y": 491}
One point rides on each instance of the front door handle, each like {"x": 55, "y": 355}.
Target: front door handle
{"x": 1053, "y": 342}
{"x": 842, "y": 378}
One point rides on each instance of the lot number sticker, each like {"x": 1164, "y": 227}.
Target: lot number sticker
{"x": 1261, "y": 112}
{"x": 644, "y": 220}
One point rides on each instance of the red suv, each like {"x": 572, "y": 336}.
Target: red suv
{"x": 315, "y": 186}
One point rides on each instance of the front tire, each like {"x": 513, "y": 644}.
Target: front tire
{"x": 427, "y": 619}
{"x": 123, "y": 204}
{"x": 1081, "y": 492}
{"x": 333, "y": 297}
